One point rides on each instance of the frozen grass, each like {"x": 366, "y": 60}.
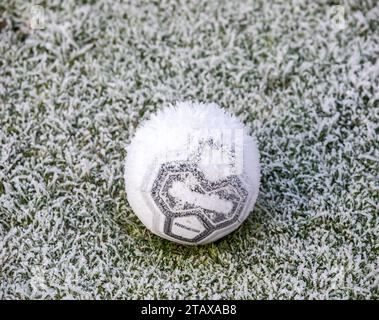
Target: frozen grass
{"x": 72, "y": 94}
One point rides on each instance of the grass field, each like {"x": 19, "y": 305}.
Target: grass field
{"x": 76, "y": 79}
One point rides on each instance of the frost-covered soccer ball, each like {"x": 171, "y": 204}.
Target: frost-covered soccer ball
{"x": 192, "y": 173}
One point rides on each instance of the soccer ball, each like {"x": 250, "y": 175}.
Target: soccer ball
{"x": 192, "y": 173}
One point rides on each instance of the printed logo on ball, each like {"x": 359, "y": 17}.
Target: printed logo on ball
{"x": 195, "y": 207}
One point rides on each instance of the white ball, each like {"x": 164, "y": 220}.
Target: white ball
{"x": 192, "y": 173}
